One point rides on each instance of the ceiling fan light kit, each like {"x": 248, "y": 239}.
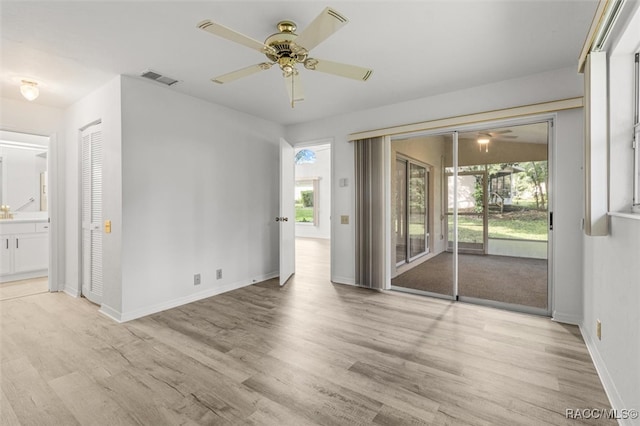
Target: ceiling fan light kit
{"x": 485, "y": 137}
{"x": 484, "y": 142}
{"x": 288, "y": 50}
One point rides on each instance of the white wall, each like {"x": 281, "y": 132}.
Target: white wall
{"x": 567, "y": 207}
{"x": 27, "y": 117}
{"x": 549, "y": 86}
{"x": 320, "y": 169}
{"x": 200, "y": 191}
{"x": 611, "y": 271}
{"x": 101, "y": 105}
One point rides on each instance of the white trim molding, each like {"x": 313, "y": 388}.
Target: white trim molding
{"x": 607, "y": 381}
{"x": 139, "y": 313}
{"x": 464, "y": 120}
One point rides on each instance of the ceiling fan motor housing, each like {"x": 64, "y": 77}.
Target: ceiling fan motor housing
{"x": 284, "y": 54}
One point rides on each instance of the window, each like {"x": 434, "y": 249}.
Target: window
{"x": 305, "y": 156}
{"x": 306, "y": 197}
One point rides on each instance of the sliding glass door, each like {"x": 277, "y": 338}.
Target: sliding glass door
{"x": 508, "y": 266}
{"x": 479, "y": 230}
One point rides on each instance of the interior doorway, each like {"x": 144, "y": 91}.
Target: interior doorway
{"x": 24, "y": 216}
{"x": 491, "y": 193}
{"x": 312, "y": 194}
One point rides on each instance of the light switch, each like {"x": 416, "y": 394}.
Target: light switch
{"x": 107, "y": 226}
{"x": 344, "y": 219}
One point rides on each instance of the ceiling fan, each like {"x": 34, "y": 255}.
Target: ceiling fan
{"x": 288, "y": 49}
{"x": 485, "y": 137}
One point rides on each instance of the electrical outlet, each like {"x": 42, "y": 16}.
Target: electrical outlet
{"x": 218, "y": 274}
{"x": 197, "y": 279}
{"x": 599, "y": 329}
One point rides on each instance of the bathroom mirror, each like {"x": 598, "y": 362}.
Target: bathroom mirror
{"x": 23, "y": 172}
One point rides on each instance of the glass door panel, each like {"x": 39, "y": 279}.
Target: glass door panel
{"x": 428, "y": 266}
{"x": 508, "y": 265}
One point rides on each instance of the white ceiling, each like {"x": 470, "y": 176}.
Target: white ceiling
{"x": 416, "y": 48}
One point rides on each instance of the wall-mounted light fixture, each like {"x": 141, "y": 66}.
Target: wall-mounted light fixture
{"x": 29, "y": 90}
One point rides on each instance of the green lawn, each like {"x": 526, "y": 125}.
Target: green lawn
{"x": 304, "y": 214}
{"x": 530, "y": 225}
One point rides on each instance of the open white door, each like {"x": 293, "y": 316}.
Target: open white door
{"x": 287, "y": 218}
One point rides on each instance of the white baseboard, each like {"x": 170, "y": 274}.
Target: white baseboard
{"x": 148, "y": 310}
{"x": 343, "y": 280}
{"x": 24, "y": 276}
{"x": 111, "y": 313}
{"x": 566, "y": 318}
{"x": 607, "y": 382}
{"x": 71, "y": 291}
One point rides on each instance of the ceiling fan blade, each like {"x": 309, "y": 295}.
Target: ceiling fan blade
{"x": 294, "y": 88}
{"x": 229, "y": 34}
{"x": 328, "y": 22}
{"x": 244, "y": 72}
{"x": 337, "y": 68}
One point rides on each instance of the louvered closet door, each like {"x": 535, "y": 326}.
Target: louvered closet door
{"x": 92, "y": 287}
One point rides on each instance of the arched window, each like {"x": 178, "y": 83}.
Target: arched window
{"x": 305, "y": 156}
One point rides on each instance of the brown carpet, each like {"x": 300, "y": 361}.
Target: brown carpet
{"x": 516, "y": 280}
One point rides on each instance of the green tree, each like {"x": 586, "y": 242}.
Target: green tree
{"x": 537, "y": 172}
{"x": 307, "y": 198}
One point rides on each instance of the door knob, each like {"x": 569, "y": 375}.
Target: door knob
{"x": 277, "y": 219}
{"x": 282, "y": 219}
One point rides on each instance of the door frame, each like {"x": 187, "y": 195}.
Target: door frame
{"x": 333, "y": 214}
{"x": 551, "y": 119}
{"x": 54, "y": 278}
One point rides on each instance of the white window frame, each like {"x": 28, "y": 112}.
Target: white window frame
{"x": 636, "y": 135}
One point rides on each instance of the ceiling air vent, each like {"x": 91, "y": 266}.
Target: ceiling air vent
{"x": 152, "y": 75}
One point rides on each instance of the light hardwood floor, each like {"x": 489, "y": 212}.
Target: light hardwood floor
{"x": 309, "y": 353}
{"x": 22, "y": 288}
